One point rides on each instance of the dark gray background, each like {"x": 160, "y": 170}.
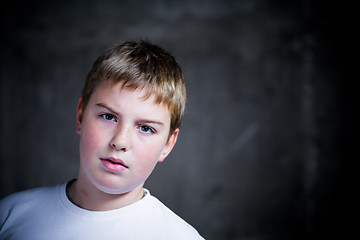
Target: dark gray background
{"x": 262, "y": 151}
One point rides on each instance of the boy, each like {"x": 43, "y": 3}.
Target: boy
{"x": 128, "y": 119}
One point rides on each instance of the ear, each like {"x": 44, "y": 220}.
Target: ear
{"x": 79, "y": 115}
{"x": 169, "y": 145}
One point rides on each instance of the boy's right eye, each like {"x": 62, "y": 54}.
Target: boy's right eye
{"x": 108, "y": 117}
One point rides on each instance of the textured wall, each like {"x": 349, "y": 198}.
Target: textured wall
{"x": 260, "y": 148}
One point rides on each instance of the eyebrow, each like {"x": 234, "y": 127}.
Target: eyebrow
{"x": 107, "y": 107}
{"x": 118, "y": 114}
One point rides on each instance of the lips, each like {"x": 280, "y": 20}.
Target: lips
{"x": 114, "y": 165}
{"x": 115, "y": 161}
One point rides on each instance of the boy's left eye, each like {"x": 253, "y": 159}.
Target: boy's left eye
{"x": 146, "y": 129}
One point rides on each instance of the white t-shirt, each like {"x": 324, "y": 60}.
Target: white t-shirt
{"x": 46, "y": 213}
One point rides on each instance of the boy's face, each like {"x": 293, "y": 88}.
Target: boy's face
{"x": 122, "y": 137}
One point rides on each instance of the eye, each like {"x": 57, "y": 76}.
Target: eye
{"x": 146, "y": 129}
{"x": 108, "y": 117}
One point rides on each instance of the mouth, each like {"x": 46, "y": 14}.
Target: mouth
{"x": 115, "y": 161}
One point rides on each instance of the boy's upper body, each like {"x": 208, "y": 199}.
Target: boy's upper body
{"x": 47, "y": 213}
{"x": 128, "y": 119}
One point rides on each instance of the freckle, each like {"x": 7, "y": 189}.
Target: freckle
{"x": 84, "y": 193}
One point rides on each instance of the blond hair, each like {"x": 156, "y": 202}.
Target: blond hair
{"x": 141, "y": 65}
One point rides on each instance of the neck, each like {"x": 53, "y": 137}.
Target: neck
{"x": 96, "y": 200}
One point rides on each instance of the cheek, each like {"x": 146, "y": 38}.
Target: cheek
{"x": 148, "y": 153}
{"x": 89, "y": 142}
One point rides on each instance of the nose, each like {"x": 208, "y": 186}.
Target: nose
{"x": 120, "y": 139}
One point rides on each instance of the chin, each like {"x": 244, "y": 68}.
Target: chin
{"x": 115, "y": 188}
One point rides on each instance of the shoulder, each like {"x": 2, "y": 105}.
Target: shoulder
{"x": 22, "y": 213}
{"x": 26, "y": 200}
{"x": 28, "y": 195}
{"x": 171, "y": 224}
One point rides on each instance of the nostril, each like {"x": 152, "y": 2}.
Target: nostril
{"x": 118, "y": 148}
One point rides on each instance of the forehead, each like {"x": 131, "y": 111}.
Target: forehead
{"x": 118, "y": 96}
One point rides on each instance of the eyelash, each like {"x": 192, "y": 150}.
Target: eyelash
{"x": 106, "y": 117}
{"x": 111, "y": 117}
{"x": 152, "y": 130}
